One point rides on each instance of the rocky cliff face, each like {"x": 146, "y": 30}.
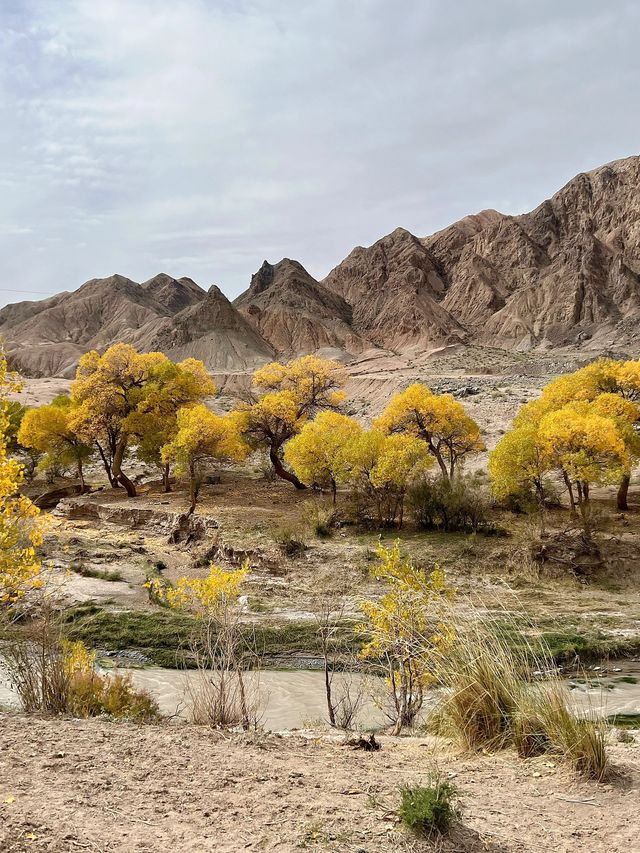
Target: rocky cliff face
{"x": 296, "y": 314}
{"x": 396, "y": 290}
{"x": 566, "y": 274}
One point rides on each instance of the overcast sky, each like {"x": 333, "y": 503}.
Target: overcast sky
{"x": 199, "y": 137}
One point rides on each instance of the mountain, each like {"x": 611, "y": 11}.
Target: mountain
{"x": 396, "y": 291}
{"x": 214, "y": 332}
{"x": 295, "y": 313}
{"x": 48, "y": 337}
{"x": 567, "y": 274}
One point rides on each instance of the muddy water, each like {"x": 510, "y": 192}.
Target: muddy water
{"x": 288, "y": 699}
{"x": 291, "y": 699}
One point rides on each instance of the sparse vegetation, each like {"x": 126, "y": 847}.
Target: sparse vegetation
{"x": 429, "y": 809}
{"x": 85, "y": 571}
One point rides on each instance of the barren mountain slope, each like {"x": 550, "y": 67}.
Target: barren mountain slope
{"x": 49, "y": 341}
{"x": 295, "y": 313}
{"x": 395, "y": 289}
{"x": 213, "y": 331}
{"x": 565, "y": 273}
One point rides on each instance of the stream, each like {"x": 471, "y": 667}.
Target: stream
{"x": 290, "y": 699}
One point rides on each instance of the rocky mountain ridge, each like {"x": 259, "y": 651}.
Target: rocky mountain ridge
{"x": 565, "y": 274}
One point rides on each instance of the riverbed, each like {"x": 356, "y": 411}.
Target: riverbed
{"x": 293, "y": 699}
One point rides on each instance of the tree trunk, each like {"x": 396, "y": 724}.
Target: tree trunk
{"x": 81, "y": 475}
{"x": 281, "y": 471}
{"x": 623, "y": 493}
{"x": 194, "y": 489}
{"x": 440, "y": 461}
{"x": 118, "y": 473}
{"x": 333, "y": 490}
{"x": 166, "y": 482}
{"x": 327, "y": 688}
{"x": 585, "y": 507}
{"x": 567, "y": 483}
{"x": 107, "y": 467}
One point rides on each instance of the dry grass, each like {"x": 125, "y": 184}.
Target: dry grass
{"x": 491, "y": 701}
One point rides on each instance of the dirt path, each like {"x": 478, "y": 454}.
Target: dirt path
{"x": 68, "y": 785}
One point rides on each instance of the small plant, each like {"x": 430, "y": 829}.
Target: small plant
{"x": 320, "y": 518}
{"x": 290, "y": 541}
{"x": 424, "y": 810}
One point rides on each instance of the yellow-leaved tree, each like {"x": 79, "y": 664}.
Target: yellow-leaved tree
{"x": 20, "y": 530}
{"x": 283, "y": 398}
{"x": 409, "y": 630}
{"x": 315, "y": 454}
{"x": 123, "y": 396}
{"x": 519, "y": 463}
{"x": 587, "y": 448}
{"x": 203, "y": 438}
{"x": 382, "y": 467}
{"x": 438, "y": 420}
{"x": 606, "y": 378}
{"x": 222, "y": 654}
{"x": 47, "y": 429}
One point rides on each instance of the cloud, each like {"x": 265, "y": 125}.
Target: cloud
{"x": 205, "y": 136}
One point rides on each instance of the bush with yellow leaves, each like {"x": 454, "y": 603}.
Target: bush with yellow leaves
{"x": 408, "y": 631}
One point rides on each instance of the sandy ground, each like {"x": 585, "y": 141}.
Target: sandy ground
{"x": 68, "y": 785}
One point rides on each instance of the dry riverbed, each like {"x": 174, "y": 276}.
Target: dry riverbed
{"x": 68, "y": 785}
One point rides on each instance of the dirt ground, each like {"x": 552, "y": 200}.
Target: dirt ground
{"x": 68, "y": 785}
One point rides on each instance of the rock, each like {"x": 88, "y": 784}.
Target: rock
{"x": 179, "y": 526}
{"x": 50, "y": 499}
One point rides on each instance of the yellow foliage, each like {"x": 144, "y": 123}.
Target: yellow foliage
{"x": 383, "y": 466}
{"x": 436, "y": 419}
{"x": 20, "y": 531}
{"x": 315, "y": 453}
{"x": 123, "y": 396}
{"x": 286, "y": 396}
{"x": 314, "y": 381}
{"x": 48, "y": 429}
{"x": 518, "y": 461}
{"x": 202, "y": 595}
{"x": 585, "y": 445}
{"x": 407, "y": 627}
{"x": 203, "y": 437}
{"x": 77, "y": 659}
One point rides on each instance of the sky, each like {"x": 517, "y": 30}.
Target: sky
{"x": 200, "y": 137}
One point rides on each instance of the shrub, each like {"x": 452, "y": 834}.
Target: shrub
{"x": 290, "y": 540}
{"x": 114, "y": 695}
{"x": 489, "y": 703}
{"x": 451, "y": 505}
{"x": 320, "y": 518}
{"x": 424, "y": 810}
{"x": 56, "y": 677}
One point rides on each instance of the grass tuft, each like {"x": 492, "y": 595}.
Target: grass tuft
{"x": 425, "y": 810}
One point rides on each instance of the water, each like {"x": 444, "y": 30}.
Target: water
{"x": 291, "y": 699}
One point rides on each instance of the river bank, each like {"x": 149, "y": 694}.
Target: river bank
{"x": 68, "y": 785}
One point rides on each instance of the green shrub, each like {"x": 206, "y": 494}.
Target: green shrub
{"x": 461, "y": 504}
{"x": 431, "y": 809}
{"x": 290, "y": 541}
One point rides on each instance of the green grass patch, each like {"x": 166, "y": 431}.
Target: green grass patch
{"x": 101, "y": 574}
{"x": 424, "y": 810}
{"x": 624, "y": 721}
{"x": 163, "y": 635}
